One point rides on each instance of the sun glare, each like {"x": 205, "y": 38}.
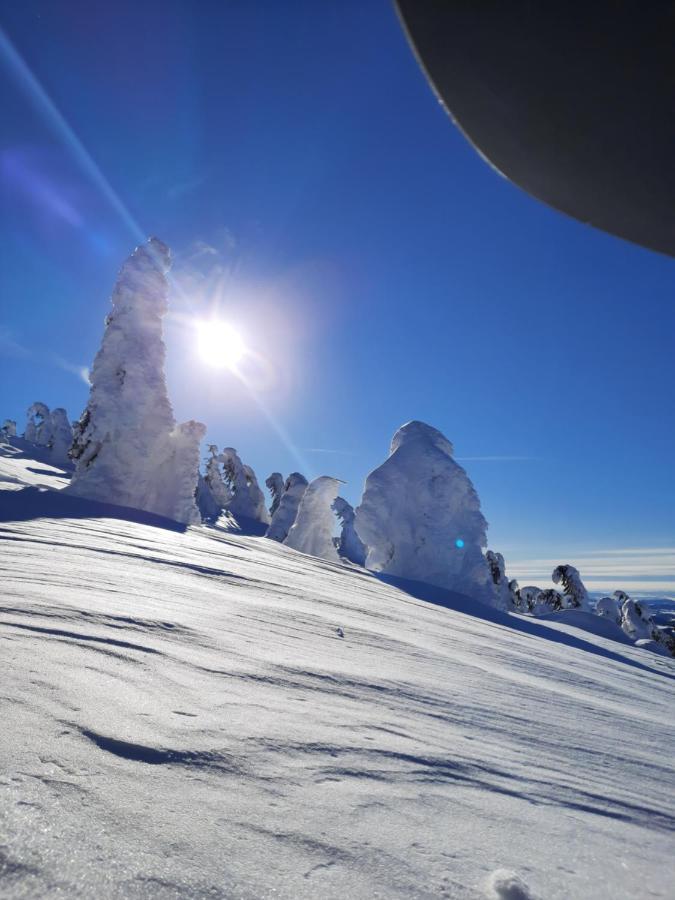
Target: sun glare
{"x": 219, "y": 344}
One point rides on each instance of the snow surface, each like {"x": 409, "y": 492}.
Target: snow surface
{"x": 188, "y": 713}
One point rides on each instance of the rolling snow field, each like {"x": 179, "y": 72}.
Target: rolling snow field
{"x": 185, "y": 712}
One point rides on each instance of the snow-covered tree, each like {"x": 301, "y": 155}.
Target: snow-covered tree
{"x": 127, "y": 447}
{"x": 636, "y": 621}
{"x": 312, "y": 532}
{"x": 222, "y": 495}
{"x": 247, "y": 501}
{"x": 514, "y": 591}
{"x": 38, "y": 424}
{"x": 286, "y": 512}
{"x": 420, "y": 516}
{"x": 350, "y": 545}
{"x": 61, "y": 437}
{"x": 9, "y": 428}
{"x": 609, "y": 608}
{"x": 573, "y": 587}
{"x": 549, "y": 600}
{"x": 275, "y": 485}
{"x": 503, "y": 595}
{"x": 528, "y": 598}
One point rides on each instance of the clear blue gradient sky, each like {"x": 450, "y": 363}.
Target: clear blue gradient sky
{"x": 315, "y": 194}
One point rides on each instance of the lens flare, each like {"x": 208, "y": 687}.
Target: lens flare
{"x": 219, "y": 344}
{"x": 459, "y": 543}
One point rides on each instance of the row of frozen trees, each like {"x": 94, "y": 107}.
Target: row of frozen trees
{"x": 419, "y": 518}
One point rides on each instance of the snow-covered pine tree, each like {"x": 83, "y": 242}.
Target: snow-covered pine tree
{"x": 514, "y": 591}
{"x": 503, "y": 596}
{"x": 350, "y": 545}
{"x": 284, "y": 516}
{"x": 420, "y": 516}
{"x": 575, "y": 592}
{"x": 312, "y": 531}
{"x": 275, "y": 485}
{"x": 61, "y": 437}
{"x": 9, "y": 428}
{"x": 127, "y": 447}
{"x": 221, "y": 492}
{"x": 247, "y": 501}
{"x": 38, "y": 425}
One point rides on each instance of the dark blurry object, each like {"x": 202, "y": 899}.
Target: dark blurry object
{"x": 574, "y": 102}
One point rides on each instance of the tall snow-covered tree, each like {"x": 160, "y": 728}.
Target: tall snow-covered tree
{"x": 127, "y": 447}
{"x": 61, "y": 437}
{"x": 576, "y": 593}
{"x": 38, "y": 424}
{"x": 221, "y": 492}
{"x": 350, "y": 545}
{"x": 284, "y": 516}
{"x": 420, "y": 516}
{"x": 275, "y": 485}
{"x": 312, "y": 531}
{"x": 9, "y": 428}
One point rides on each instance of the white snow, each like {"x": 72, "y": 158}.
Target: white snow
{"x": 181, "y": 717}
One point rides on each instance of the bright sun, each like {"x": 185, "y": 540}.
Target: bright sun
{"x": 219, "y": 344}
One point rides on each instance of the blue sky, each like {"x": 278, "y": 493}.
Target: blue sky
{"x": 315, "y": 194}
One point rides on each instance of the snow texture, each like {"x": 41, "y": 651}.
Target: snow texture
{"x": 350, "y": 545}
{"x": 275, "y": 485}
{"x": 420, "y": 516}
{"x": 128, "y": 448}
{"x": 312, "y": 532}
{"x": 284, "y": 517}
{"x": 180, "y": 717}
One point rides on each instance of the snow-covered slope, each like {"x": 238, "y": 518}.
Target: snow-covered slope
{"x": 180, "y": 716}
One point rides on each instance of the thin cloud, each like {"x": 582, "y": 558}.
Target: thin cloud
{"x": 9, "y": 346}
{"x": 326, "y": 450}
{"x": 637, "y": 568}
{"x": 495, "y": 458}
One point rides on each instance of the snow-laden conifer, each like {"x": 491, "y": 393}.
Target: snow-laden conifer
{"x": 61, "y": 437}
{"x": 350, "y": 545}
{"x": 573, "y": 587}
{"x": 247, "y": 500}
{"x": 127, "y": 447}
{"x": 275, "y": 485}
{"x": 284, "y": 516}
{"x": 38, "y": 424}
{"x": 312, "y": 532}
{"x": 420, "y": 516}
{"x": 502, "y": 591}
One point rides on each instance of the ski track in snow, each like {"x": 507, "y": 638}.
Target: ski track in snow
{"x": 180, "y": 717}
